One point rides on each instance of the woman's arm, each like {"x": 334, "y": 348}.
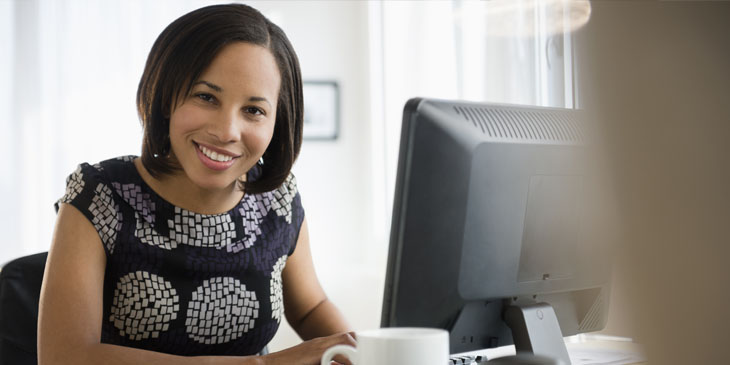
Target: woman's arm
{"x": 307, "y": 308}
{"x": 70, "y": 312}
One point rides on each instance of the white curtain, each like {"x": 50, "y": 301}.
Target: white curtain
{"x": 68, "y": 78}
{"x": 502, "y": 51}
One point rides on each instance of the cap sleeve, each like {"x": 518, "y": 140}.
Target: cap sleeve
{"x": 89, "y": 192}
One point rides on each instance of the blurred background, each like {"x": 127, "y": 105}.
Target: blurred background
{"x": 69, "y": 71}
{"x": 657, "y": 76}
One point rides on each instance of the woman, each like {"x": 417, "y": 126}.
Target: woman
{"x": 190, "y": 253}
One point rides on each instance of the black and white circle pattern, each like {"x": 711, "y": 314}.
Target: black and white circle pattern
{"x": 275, "y": 284}
{"x": 144, "y": 304}
{"x": 137, "y": 199}
{"x": 221, "y": 310}
{"x": 283, "y": 197}
{"x": 189, "y": 228}
{"x": 107, "y": 218}
{"x": 252, "y": 212}
{"x": 147, "y": 235}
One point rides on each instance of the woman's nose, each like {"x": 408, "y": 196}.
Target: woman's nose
{"x": 227, "y": 126}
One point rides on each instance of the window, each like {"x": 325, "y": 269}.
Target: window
{"x": 502, "y": 51}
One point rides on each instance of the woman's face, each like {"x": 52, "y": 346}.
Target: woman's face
{"x": 222, "y": 128}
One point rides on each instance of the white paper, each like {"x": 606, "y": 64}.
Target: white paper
{"x": 585, "y": 350}
{"x": 604, "y": 357}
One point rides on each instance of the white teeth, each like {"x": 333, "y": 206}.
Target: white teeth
{"x": 214, "y": 155}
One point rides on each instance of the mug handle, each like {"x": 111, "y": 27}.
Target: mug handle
{"x": 345, "y": 350}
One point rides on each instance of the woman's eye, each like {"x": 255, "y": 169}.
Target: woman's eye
{"x": 206, "y": 97}
{"x": 254, "y": 110}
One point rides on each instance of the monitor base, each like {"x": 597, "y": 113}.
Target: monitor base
{"x": 535, "y": 330}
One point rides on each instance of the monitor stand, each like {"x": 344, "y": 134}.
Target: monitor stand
{"x": 535, "y": 329}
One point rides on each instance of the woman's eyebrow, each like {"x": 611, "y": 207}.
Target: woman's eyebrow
{"x": 259, "y": 98}
{"x": 220, "y": 89}
{"x": 210, "y": 85}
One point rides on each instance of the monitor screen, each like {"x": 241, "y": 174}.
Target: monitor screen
{"x": 494, "y": 225}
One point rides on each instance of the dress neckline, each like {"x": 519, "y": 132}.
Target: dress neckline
{"x": 162, "y": 202}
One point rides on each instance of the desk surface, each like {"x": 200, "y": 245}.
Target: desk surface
{"x": 612, "y": 351}
{"x": 587, "y": 349}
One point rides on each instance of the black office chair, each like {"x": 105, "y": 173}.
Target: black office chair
{"x": 20, "y": 290}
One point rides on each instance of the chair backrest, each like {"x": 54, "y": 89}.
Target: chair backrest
{"x": 20, "y": 290}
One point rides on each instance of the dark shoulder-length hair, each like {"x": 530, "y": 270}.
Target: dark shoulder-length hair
{"x": 181, "y": 54}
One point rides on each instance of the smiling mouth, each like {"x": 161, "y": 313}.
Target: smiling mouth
{"x": 213, "y": 155}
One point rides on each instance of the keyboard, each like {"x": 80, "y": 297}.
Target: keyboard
{"x": 459, "y": 360}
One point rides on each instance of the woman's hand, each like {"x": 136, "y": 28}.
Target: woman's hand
{"x": 310, "y": 352}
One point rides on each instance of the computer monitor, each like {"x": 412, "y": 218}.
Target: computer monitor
{"x": 495, "y": 232}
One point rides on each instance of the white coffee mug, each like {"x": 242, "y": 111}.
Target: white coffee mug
{"x": 397, "y": 346}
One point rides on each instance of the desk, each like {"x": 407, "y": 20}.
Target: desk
{"x": 631, "y": 352}
{"x": 586, "y": 349}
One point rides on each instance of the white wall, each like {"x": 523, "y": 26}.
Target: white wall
{"x": 335, "y": 177}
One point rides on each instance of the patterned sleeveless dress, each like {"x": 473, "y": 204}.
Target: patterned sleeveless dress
{"x": 185, "y": 283}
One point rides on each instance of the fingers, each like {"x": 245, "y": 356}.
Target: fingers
{"x": 351, "y": 338}
{"x": 346, "y": 338}
{"x": 310, "y": 352}
{"x": 341, "y": 360}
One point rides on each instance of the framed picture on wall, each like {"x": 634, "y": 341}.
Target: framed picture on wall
{"x": 321, "y": 110}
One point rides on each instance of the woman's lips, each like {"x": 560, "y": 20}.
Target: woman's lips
{"x": 211, "y": 163}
